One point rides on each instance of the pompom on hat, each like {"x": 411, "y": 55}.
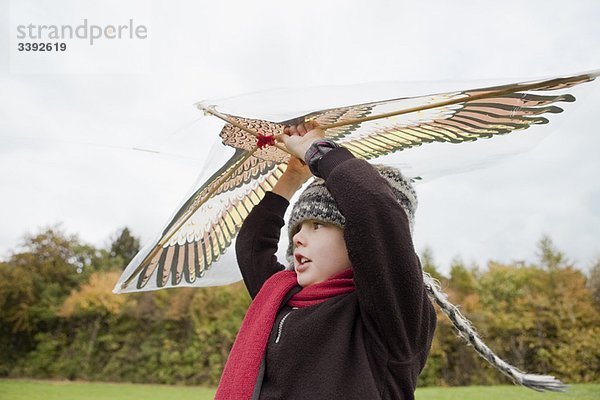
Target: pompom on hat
{"x": 316, "y": 203}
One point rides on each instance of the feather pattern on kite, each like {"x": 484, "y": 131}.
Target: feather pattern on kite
{"x": 206, "y": 224}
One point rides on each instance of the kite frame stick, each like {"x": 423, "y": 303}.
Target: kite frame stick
{"x": 512, "y": 89}
{"x": 211, "y": 110}
{"x": 176, "y": 227}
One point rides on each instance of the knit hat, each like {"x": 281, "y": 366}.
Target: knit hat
{"x": 316, "y": 203}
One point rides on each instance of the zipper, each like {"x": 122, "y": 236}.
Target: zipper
{"x": 280, "y": 329}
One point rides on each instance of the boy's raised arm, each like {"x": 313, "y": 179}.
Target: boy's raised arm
{"x": 387, "y": 271}
{"x": 256, "y": 243}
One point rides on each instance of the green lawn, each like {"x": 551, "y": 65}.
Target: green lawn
{"x": 66, "y": 390}
{"x": 58, "y": 390}
{"x": 580, "y": 392}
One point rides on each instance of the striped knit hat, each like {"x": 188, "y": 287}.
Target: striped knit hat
{"x": 316, "y": 203}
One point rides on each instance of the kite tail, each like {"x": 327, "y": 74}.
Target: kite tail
{"x": 468, "y": 333}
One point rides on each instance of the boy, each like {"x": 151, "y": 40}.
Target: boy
{"x": 350, "y": 318}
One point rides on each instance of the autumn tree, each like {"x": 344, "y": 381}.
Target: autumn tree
{"x": 550, "y": 257}
{"x": 428, "y": 264}
{"x": 125, "y": 246}
{"x": 594, "y": 281}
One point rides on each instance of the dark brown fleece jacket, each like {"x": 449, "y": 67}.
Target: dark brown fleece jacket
{"x": 369, "y": 344}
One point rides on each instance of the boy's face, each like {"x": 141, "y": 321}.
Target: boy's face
{"x": 319, "y": 252}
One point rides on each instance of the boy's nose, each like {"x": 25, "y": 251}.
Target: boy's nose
{"x": 298, "y": 239}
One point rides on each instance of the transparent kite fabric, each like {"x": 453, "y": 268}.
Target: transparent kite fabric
{"x": 286, "y": 103}
{"x": 222, "y": 272}
{"x": 424, "y": 162}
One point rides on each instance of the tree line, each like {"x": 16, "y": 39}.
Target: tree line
{"x": 60, "y": 320}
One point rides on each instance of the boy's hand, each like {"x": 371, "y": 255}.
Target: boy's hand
{"x": 292, "y": 179}
{"x": 298, "y": 138}
{"x": 296, "y": 171}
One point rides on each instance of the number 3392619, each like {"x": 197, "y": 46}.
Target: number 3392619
{"x": 42, "y": 46}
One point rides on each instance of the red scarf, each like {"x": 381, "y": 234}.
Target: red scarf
{"x": 242, "y": 367}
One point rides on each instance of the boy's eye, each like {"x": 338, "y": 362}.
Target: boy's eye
{"x": 317, "y": 225}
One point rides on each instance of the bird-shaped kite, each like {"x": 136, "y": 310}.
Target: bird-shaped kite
{"x": 205, "y": 225}
{"x": 188, "y": 250}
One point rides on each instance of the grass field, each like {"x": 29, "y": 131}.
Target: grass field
{"x": 59, "y": 390}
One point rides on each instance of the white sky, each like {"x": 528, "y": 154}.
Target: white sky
{"x": 67, "y": 120}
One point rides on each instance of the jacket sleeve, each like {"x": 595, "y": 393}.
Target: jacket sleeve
{"x": 256, "y": 243}
{"x": 387, "y": 271}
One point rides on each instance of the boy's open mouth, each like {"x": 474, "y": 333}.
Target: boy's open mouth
{"x": 301, "y": 259}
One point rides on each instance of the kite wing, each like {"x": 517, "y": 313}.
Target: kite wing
{"x": 464, "y": 116}
{"x": 203, "y": 228}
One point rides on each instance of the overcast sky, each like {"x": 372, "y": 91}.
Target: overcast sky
{"x": 68, "y": 120}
